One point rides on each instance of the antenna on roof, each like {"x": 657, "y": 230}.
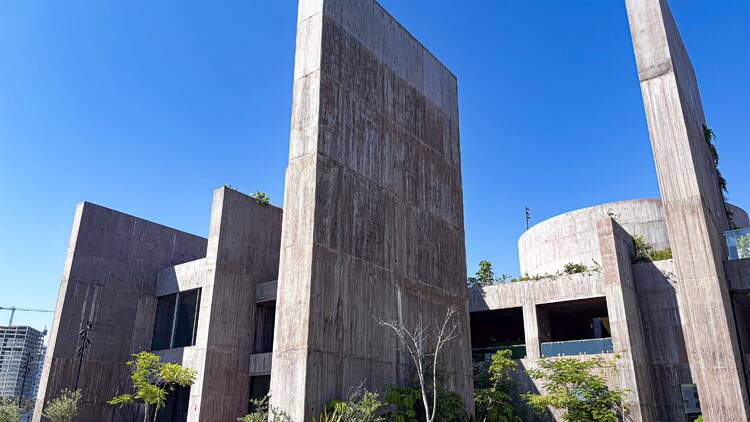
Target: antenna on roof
{"x": 528, "y": 217}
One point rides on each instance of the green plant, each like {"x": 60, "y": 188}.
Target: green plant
{"x": 493, "y": 389}
{"x": 643, "y": 252}
{"x": 484, "y": 277}
{"x": 9, "y": 411}
{"x": 262, "y": 198}
{"x": 710, "y": 136}
{"x": 261, "y": 413}
{"x": 404, "y": 401}
{"x": 151, "y": 381}
{"x": 63, "y": 408}
{"x": 361, "y": 405}
{"x": 571, "y": 268}
{"x": 576, "y": 387}
{"x": 700, "y": 419}
{"x": 743, "y": 246}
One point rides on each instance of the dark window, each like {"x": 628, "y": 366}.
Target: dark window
{"x": 176, "y": 407}
{"x": 176, "y": 320}
{"x": 186, "y": 318}
{"x": 259, "y": 388}
{"x": 265, "y": 313}
{"x": 164, "y": 320}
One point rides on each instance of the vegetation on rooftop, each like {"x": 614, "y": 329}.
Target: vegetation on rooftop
{"x": 644, "y": 252}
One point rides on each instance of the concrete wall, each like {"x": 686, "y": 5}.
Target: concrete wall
{"x": 373, "y": 221}
{"x": 656, "y": 285}
{"x": 243, "y": 250}
{"x": 694, "y": 208}
{"x": 572, "y": 237}
{"x": 109, "y": 279}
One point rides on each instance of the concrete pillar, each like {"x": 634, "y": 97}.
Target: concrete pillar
{"x": 616, "y": 247}
{"x": 531, "y": 331}
{"x": 109, "y": 279}
{"x": 693, "y": 207}
{"x": 243, "y": 249}
{"x": 373, "y": 219}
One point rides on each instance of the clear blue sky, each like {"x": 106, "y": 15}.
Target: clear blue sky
{"x": 146, "y": 107}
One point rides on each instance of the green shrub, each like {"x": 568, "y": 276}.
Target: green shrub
{"x": 261, "y": 413}
{"x": 643, "y": 252}
{"x": 63, "y": 408}
{"x": 571, "y": 268}
{"x": 9, "y": 411}
{"x": 493, "y": 388}
{"x": 262, "y": 198}
{"x": 573, "y": 387}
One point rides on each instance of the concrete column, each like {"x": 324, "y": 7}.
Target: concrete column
{"x": 243, "y": 249}
{"x": 373, "y": 219}
{"x": 615, "y": 246}
{"x": 693, "y": 207}
{"x": 109, "y": 279}
{"x": 531, "y": 332}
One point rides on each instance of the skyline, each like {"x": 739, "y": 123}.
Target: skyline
{"x": 240, "y": 113}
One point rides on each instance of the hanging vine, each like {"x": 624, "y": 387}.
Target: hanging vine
{"x": 710, "y": 136}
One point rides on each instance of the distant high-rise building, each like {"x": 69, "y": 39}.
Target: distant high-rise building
{"x": 21, "y": 347}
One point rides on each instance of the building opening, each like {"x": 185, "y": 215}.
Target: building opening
{"x": 265, "y": 315}
{"x": 176, "y": 320}
{"x": 176, "y": 407}
{"x": 579, "y": 327}
{"x": 497, "y": 330}
{"x": 259, "y": 388}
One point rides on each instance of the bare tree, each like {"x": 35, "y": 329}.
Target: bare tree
{"x": 414, "y": 340}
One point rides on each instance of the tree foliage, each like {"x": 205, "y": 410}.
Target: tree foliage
{"x": 360, "y": 406}
{"x": 9, "y": 411}
{"x": 152, "y": 380}
{"x": 493, "y": 389}
{"x": 644, "y": 252}
{"x": 63, "y": 408}
{"x": 573, "y": 386}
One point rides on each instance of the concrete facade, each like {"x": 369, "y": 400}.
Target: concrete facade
{"x": 693, "y": 206}
{"x": 373, "y": 228}
{"x": 119, "y": 265}
{"x": 373, "y": 222}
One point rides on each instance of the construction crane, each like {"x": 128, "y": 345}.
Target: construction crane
{"x": 13, "y": 310}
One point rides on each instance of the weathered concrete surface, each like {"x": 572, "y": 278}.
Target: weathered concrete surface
{"x": 110, "y": 279}
{"x": 616, "y": 250}
{"x": 373, "y": 221}
{"x": 656, "y": 285}
{"x": 572, "y": 237}
{"x": 243, "y": 250}
{"x": 694, "y": 208}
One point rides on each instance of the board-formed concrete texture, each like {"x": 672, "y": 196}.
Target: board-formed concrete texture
{"x": 117, "y": 267}
{"x": 373, "y": 222}
{"x": 693, "y": 207}
{"x": 572, "y": 237}
{"x": 109, "y": 278}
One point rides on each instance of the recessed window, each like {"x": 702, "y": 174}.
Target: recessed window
{"x": 176, "y": 320}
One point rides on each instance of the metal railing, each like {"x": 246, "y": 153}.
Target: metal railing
{"x": 592, "y": 346}
{"x": 738, "y": 243}
{"x": 518, "y": 351}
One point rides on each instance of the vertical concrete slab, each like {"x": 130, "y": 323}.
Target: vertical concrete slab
{"x": 373, "y": 220}
{"x": 616, "y": 251}
{"x": 109, "y": 278}
{"x": 693, "y": 207}
{"x": 243, "y": 250}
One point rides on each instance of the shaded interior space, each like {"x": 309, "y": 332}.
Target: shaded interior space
{"x": 741, "y": 305}
{"x": 259, "y": 387}
{"x": 495, "y": 330}
{"x": 265, "y": 316}
{"x": 176, "y": 407}
{"x": 176, "y": 320}
{"x": 579, "y": 327}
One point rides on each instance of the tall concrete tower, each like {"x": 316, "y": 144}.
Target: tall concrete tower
{"x": 693, "y": 207}
{"x": 373, "y": 212}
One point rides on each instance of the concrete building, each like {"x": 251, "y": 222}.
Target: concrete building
{"x": 373, "y": 228}
{"x": 21, "y": 350}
